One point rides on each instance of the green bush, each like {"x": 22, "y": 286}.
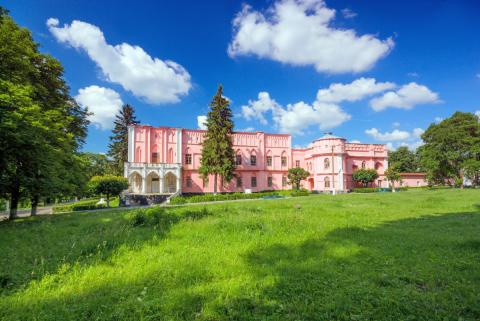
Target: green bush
{"x": 378, "y": 189}
{"x": 234, "y": 196}
{"x": 83, "y": 205}
{"x": 3, "y": 205}
{"x": 148, "y": 217}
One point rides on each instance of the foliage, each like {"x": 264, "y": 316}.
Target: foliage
{"x": 296, "y": 175}
{"x": 377, "y": 189}
{"x": 404, "y": 160}
{"x": 218, "y": 156}
{"x": 450, "y": 146}
{"x": 393, "y": 176}
{"x": 290, "y": 259}
{"x": 83, "y": 205}
{"x": 108, "y": 185}
{"x": 365, "y": 176}
{"x": 471, "y": 168}
{"x": 41, "y": 126}
{"x": 233, "y": 196}
{"x": 118, "y": 147}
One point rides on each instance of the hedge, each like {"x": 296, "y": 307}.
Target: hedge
{"x": 378, "y": 189}
{"x": 235, "y": 196}
{"x": 83, "y": 205}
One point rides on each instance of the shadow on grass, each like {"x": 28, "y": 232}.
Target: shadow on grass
{"x": 37, "y": 246}
{"x": 426, "y": 268}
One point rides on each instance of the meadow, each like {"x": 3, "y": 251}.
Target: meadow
{"x": 412, "y": 255}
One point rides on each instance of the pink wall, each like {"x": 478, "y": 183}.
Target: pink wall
{"x": 163, "y": 141}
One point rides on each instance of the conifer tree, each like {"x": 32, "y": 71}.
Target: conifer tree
{"x": 118, "y": 147}
{"x": 218, "y": 157}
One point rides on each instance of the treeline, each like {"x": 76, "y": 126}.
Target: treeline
{"x": 42, "y": 128}
{"x": 450, "y": 153}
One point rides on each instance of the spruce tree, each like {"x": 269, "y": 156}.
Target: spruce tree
{"x": 218, "y": 157}
{"x": 118, "y": 147}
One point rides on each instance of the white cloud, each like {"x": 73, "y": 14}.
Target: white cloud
{"x": 104, "y": 103}
{"x": 395, "y": 135}
{"x": 417, "y": 132}
{"x": 155, "y": 80}
{"x": 355, "y": 141}
{"x": 300, "y": 32}
{"x": 248, "y": 129}
{"x": 413, "y": 74}
{"x": 438, "y": 119}
{"x": 407, "y": 97}
{"x": 202, "y": 122}
{"x": 477, "y": 113}
{"x": 295, "y": 118}
{"x": 349, "y": 13}
{"x": 396, "y": 124}
{"x": 257, "y": 108}
{"x": 354, "y": 91}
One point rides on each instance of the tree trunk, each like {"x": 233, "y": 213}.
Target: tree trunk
{"x": 14, "y": 198}
{"x": 393, "y": 186}
{"x": 215, "y": 184}
{"x": 34, "y": 203}
{"x": 108, "y": 200}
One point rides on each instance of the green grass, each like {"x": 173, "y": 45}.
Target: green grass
{"x": 413, "y": 255}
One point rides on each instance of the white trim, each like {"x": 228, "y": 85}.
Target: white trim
{"x": 131, "y": 143}
{"x": 179, "y": 145}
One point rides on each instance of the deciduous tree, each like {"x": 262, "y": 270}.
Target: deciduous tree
{"x": 108, "y": 185}
{"x": 393, "y": 176}
{"x": 365, "y": 176}
{"x": 296, "y": 175}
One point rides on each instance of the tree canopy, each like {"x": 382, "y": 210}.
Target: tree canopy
{"x": 41, "y": 126}
{"x": 404, "y": 160}
{"x": 451, "y": 147}
{"x": 296, "y": 175}
{"x": 218, "y": 156}
{"x": 365, "y": 176}
{"x": 108, "y": 185}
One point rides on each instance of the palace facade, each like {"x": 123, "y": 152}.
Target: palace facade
{"x": 165, "y": 160}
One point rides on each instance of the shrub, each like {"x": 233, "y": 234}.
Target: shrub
{"x": 234, "y": 196}
{"x": 82, "y": 205}
{"x": 377, "y": 189}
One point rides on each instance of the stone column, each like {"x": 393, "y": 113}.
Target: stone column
{"x": 144, "y": 180}
{"x": 161, "y": 183}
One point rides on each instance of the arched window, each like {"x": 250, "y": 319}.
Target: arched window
{"x": 327, "y": 182}
{"x": 269, "y": 158}
{"x": 138, "y": 154}
{"x": 284, "y": 159}
{"x": 253, "y": 158}
{"x": 326, "y": 163}
{"x": 170, "y": 155}
{"x": 238, "y": 157}
{"x": 364, "y": 165}
{"x": 378, "y": 165}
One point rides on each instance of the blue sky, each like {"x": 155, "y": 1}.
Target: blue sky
{"x": 372, "y": 71}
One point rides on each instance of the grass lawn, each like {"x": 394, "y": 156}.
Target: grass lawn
{"x": 389, "y": 256}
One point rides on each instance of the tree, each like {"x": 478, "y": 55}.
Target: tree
{"x": 296, "y": 175}
{"x": 365, "y": 176}
{"x": 449, "y": 146}
{"x": 108, "y": 185}
{"x": 471, "y": 168}
{"x": 41, "y": 126}
{"x": 118, "y": 147}
{"x": 218, "y": 156}
{"x": 404, "y": 160}
{"x": 393, "y": 176}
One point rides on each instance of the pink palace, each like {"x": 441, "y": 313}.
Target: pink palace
{"x": 165, "y": 160}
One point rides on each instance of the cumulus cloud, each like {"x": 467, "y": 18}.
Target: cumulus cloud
{"x": 355, "y": 141}
{"x": 202, "y": 122}
{"x": 438, "y": 119}
{"x": 354, "y": 91}
{"x": 477, "y": 113}
{"x": 395, "y": 135}
{"x": 150, "y": 78}
{"x": 295, "y": 118}
{"x": 407, "y": 97}
{"x": 300, "y": 32}
{"x": 398, "y": 137}
{"x": 104, "y": 103}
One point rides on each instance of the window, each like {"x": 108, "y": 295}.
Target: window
{"x": 284, "y": 161}
{"x": 238, "y": 159}
{"x": 297, "y": 163}
{"x": 239, "y": 181}
{"x": 269, "y": 160}
{"x": 379, "y": 183}
{"x": 326, "y": 163}
{"x": 284, "y": 181}
{"x": 270, "y": 181}
{"x": 188, "y": 159}
{"x": 189, "y": 181}
{"x": 154, "y": 157}
{"x": 253, "y": 160}
{"x": 253, "y": 181}
{"x": 327, "y": 182}
{"x": 364, "y": 165}
{"x": 205, "y": 182}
